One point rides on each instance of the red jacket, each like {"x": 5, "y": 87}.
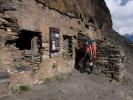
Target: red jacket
{"x": 93, "y": 51}
{"x": 88, "y": 49}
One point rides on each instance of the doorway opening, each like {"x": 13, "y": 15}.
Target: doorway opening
{"x": 80, "y": 51}
{"x": 68, "y": 45}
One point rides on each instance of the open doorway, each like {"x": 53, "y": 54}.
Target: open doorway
{"x": 68, "y": 45}
{"x": 80, "y": 50}
{"x": 29, "y": 40}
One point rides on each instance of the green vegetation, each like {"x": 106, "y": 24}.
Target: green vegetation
{"x": 46, "y": 80}
{"x": 20, "y": 89}
{"x": 24, "y": 88}
{"x": 63, "y": 77}
{"x": 59, "y": 78}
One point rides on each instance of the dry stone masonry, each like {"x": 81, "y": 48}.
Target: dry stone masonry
{"x": 111, "y": 61}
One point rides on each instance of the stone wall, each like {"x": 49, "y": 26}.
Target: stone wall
{"x": 111, "y": 61}
{"x": 26, "y": 66}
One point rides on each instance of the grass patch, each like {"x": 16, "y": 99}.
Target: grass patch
{"x": 59, "y": 78}
{"x": 63, "y": 77}
{"x": 46, "y": 80}
{"x": 24, "y": 88}
{"x": 20, "y": 89}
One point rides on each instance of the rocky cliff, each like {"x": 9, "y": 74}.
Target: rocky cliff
{"x": 90, "y": 11}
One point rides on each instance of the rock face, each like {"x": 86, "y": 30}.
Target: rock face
{"x": 90, "y": 11}
{"x": 38, "y": 38}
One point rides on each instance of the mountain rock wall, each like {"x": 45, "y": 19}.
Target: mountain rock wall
{"x": 90, "y": 11}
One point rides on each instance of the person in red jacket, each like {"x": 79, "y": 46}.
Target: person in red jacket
{"x": 90, "y": 54}
{"x": 93, "y": 45}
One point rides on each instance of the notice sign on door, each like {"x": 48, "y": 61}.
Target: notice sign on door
{"x": 54, "y": 42}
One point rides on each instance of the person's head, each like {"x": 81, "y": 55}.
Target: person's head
{"x": 87, "y": 43}
{"x": 93, "y": 41}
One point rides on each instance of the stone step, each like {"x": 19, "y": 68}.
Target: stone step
{"x": 102, "y": 58}
{"x": 108, "y": 71}
{"x": 100, "y": 54}
{"x": 115, "y": 55}
{"x": 101, "y": 61}
{"x": 114, "y": 52}
{"x": 99, "y": 51}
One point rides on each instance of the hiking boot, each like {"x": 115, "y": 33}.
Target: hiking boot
{"x": 83, "y": 70}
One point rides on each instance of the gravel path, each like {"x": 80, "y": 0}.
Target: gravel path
{"x": 78, "y": 86}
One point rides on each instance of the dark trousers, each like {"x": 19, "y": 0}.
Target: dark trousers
{"x": 85, "y": 60}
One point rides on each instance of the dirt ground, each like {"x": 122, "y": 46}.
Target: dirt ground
{"x": 78, "y": 86}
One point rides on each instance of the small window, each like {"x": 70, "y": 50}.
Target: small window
{"x": 29, "y": 40}
{"x": 68, "y": 50}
